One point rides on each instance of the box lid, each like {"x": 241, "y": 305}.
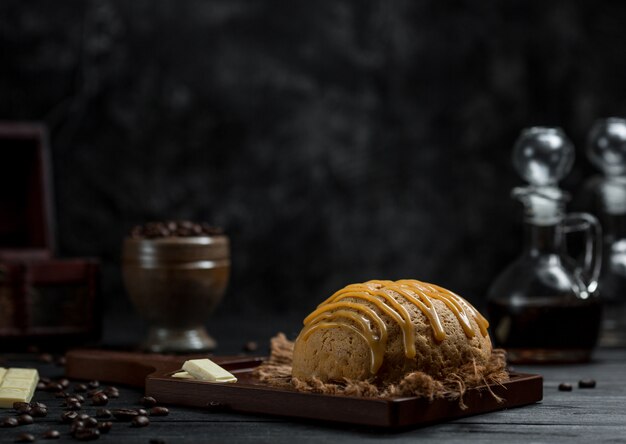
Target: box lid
{"x": 26, "y": 213}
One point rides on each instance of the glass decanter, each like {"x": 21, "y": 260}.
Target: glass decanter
{"x": 606, "y": 149}
{"x": 544, "y": 306}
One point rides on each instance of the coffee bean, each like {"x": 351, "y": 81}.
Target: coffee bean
{"x": 10, "y": 422}
{"x": 80, "y": 398}
{"x": 51, "y": 434}
{"x": 142, "y": 412}
{"x": 44, "y": 380}
{"x": 54, "y": 387}
{"x": 182, "y": 228}
{"x": 112, "y": 392}
{"x": 105, "y": 426}
{"x": 103, "y": 413}
{"x": 251, "y": 346}
{"x": 140, "y": 421}
{"x": 91, "y": 422}
{"x": 39, "y": 412}
{"x": 60, "y": 395}
{"x": 565, "y": 387}
{"x": 124, "y": 414}
{"x": 159, "y": 411}
{"x": 184, "y": 232}
{"x": 22, "y": 407}
{"x": 211, "y": 230}
{"x": 25, "y": 419}
{"x": 68, "y": 417}
{"x": 61, "y": 361}
{"x": 41, "y": 385}
{"x": 136, "y": 232}
{"x": 148, "y": 401}
{"x": 86, "y": 434}
{"x": 80, "y": 388}
{"x": 38, "y": 404}
{"x": 100, "y": 399}
{"x": 64, "y": 382}
{"x": 73, "y": 405}
{"x": 83, "y": 416}
{"x": 77, "y": 425}
{"x": 25, "y": 437}
{"x": 587, "y": 383}
{"x": 94, "y": 384}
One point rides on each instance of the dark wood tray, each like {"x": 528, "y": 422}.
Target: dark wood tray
{"x": 249, "y": 395}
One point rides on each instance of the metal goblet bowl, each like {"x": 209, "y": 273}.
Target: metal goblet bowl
{"x": 175, "y": 283}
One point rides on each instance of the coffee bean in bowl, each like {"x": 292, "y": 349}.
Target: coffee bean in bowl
{"x": 184, "y": 228}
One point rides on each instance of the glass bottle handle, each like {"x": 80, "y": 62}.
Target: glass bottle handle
{"x": 574, "y": 222}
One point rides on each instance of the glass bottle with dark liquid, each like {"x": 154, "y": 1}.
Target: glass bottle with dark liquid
{"x": 544, "y": 307}
{"x": 606, "y": 149}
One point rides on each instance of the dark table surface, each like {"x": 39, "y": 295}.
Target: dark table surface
{"x": 591, "y": 415}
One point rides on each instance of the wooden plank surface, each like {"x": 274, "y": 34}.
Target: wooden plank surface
{"x": 583, "y": 415}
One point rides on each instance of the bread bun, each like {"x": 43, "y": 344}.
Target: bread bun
{"x": 383, "y": 330}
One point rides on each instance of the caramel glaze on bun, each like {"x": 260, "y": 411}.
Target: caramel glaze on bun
{"x": 382, "y": 330}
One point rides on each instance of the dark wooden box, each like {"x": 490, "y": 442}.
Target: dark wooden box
{"x": 43, "y": 300}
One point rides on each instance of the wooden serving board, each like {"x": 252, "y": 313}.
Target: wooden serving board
{"x": 251, "y": 396}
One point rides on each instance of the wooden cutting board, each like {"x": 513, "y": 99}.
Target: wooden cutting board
{"x": 248, "y": 395}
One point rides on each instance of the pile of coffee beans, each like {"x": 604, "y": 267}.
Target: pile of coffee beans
{"x": 80, "y": 425}
{"x": 184, "y": 228}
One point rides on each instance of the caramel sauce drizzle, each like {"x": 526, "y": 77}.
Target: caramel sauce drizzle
{"x": 337, "y": 311}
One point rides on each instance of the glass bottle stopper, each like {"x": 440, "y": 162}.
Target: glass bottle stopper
{"x": 542, "y": 156}
{"x": 606, "y": 146}
{"x": 606, "y": 149}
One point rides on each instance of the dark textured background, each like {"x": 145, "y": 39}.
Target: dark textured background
{"x": 334, "y": 141}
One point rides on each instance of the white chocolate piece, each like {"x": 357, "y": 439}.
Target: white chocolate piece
{"x": 10, "y": 395}
{"x": 207, "y": 370}
{"x": 22, "y": 373}
{"x": 182, "y": 375}
{"x": 17, "y": 385}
